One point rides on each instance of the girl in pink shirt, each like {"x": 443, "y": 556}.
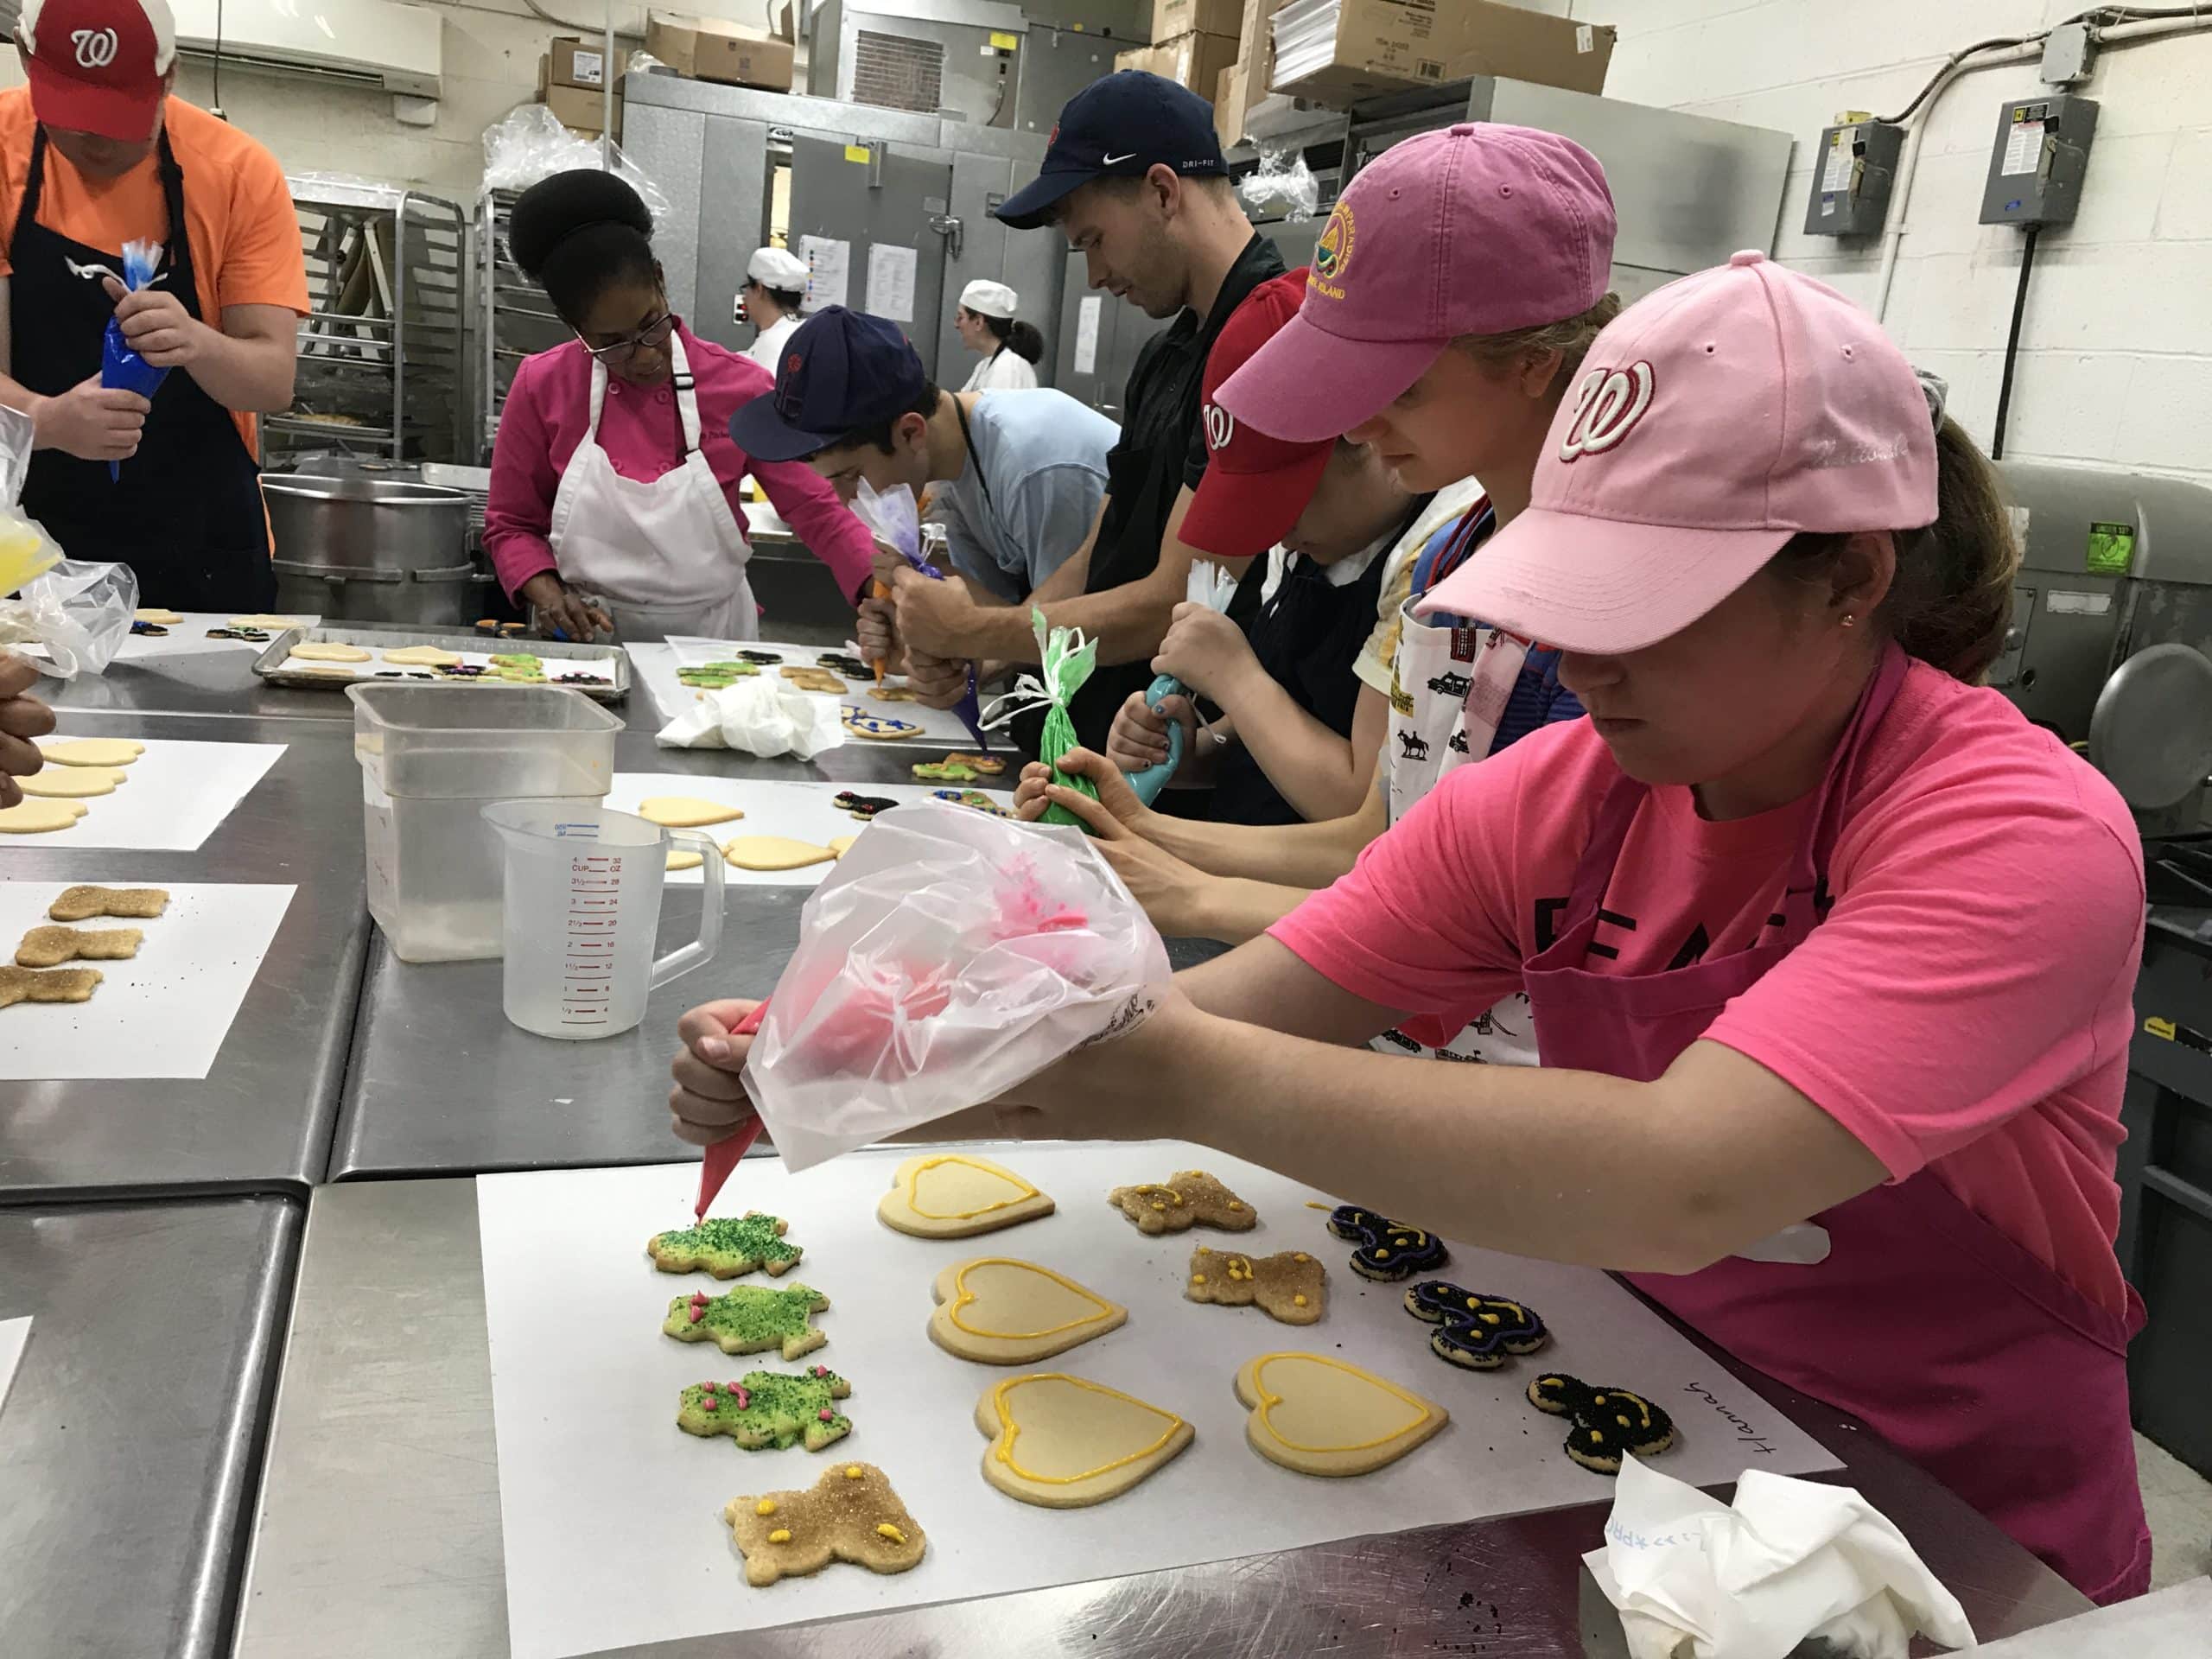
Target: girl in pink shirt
{"x": 1815, "y": 927}
{"x": 615, "y": 487}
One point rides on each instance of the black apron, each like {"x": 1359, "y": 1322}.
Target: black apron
{"x": 185, "y": 513}
{"x": 1162, "y": 449}
{"x": 1307, "y": 637}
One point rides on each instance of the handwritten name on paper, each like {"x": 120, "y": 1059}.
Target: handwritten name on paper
{"x": 1629, "y": 1538}
{"x": 1744, "y": 1432}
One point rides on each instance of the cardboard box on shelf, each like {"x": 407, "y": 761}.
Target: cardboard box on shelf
{"x": 1230, "y": 90}
{"x": 582, "y": 108}
{"x": 1387, "y": 46}
{"x": 706, "y": 48}
{"x": 1174, "y": 17}
{"x": 1192, "y": 61}
{"x": 575, "y": 62}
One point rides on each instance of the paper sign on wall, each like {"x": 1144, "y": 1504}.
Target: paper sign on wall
{"x": 890, "y": 283}
{"x": 829, "y": 271}
{"x": 1086, "y": 334}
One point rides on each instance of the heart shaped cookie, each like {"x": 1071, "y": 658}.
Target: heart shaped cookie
{"x": 952, "y": 1195}
{"x": 1321, "y": 1416}
{"x": 1001, "y": 1312}
{"x": 1061, "y": 1442}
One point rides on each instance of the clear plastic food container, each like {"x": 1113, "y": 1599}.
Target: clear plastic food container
{"x": 431, "y": 756}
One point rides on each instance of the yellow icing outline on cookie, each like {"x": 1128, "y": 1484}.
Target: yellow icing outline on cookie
{"x": 964, "y": 1296}
{"x": 913, "y": 1192}
{"x": 1010, "y": 1431}
{"x": 1268, "y": 1401}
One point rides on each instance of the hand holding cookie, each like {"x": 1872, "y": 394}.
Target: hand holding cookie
{"x": 22, "y": 717}
{"x": 709, "y": 1103}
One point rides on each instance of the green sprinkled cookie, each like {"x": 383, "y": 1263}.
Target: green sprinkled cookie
{"x": 515, "y": 659}
{"x": 726, "y": 1247}
{"x": 750, "y": 1318}
{"x": 763, "y": 1409}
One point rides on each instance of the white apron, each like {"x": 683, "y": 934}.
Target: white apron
{"x": 665, "y": 556}
{"x": 1448, "y": 690}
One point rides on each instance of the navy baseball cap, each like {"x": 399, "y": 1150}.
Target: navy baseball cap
{"x": 1120, "y": 127}
{"x": 839, "y": 370}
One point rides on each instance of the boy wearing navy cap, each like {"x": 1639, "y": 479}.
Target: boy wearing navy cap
{"x": 1022, "y": 472}
{"x": 1134, "y": 179}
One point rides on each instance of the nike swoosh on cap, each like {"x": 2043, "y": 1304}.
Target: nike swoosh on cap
{"x": 1111, "y": 160}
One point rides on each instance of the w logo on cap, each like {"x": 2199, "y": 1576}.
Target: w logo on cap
{"x": 1221, "y": 426}
{"x": 95, "y": 47}
{"x": 1607, "y": 403}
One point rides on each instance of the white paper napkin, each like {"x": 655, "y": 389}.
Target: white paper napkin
{"x": 1696, "y": 1579}
{"x": 763, "y": 715}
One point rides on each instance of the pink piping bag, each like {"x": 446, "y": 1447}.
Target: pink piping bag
{"x": 722, "y": 1157}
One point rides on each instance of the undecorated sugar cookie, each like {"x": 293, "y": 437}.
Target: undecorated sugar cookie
{"x": 157, "y": 616}
{"x": 849, "y": 1515}
{"x": 954, "y": 1195}
{"x": 49, "y": 947}
{"x": 412, "y": 657}
{"x": 327, "y": 651}
{"x": 51, "y": 985}
{"x": 35, "y": 815}
{"x": 81, "y": 904}
{"x": 774, "y": 853}
{"x": 1322, "y": 1416}
{"x": 273, "y": 624}
{"x": 841, "y": 845}
{"x": 1608, "y": 1421}
{"x": 749, "y": 1319}
{"x": 768, "y": 1408}
{"x": 685, "y": 812}
{"x": 72, "y": 782}
{"x": 1290, "y": 1286}
{"x": 1062, "y": 1442}
{"x": 1001, "y": 1312}
{"x": 726, "y": 1247}
{"x": 686, "y": 858}
{"x": 91, "y": 751}
{"x": 1188, "y": 1198}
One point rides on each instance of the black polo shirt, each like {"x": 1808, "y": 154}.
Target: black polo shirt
{"x": 1163, "y": 448}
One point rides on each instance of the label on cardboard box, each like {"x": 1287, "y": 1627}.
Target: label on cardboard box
{"x": 589, "y": 68}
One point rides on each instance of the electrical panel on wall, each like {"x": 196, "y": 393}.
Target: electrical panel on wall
{"x": 1854, "y": 166}
{"x": 2036, "y": 165}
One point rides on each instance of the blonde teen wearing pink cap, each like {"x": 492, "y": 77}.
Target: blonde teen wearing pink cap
{"x": 1452, "y": 294}
{"x": 1814, "y": 926}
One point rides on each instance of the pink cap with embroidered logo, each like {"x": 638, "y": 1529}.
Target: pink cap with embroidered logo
{"x": 1714, "y": 421}
{"x": 1475, "y": 230}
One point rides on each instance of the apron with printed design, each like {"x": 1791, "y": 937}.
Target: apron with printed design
{"x": 1941, "y": 1331}
{"x": 664, "y": 556}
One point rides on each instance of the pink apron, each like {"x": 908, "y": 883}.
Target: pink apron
{"x": 1925, "y": 1321}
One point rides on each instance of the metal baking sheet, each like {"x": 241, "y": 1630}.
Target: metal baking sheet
{"x": 269, "y": 665}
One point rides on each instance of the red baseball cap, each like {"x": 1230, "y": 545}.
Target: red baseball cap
{"x": 1477, "y": 230}
{"x": 97, "y": 66}
{"x": 1255, "y": 486}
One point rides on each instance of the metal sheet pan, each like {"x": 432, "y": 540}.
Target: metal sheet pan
{"x": 269, "y": 665}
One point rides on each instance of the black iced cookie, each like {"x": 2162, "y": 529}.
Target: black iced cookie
{"x": 1609, "y": 1422}
{"x": 1477, "y": 1330}
{"x": 758, "y": 657}
{"x": 838, "y": 663}
{"x": 1388, "y": 1250}
{"x": 151, "y": 630}
{"x": 862, "y": 807}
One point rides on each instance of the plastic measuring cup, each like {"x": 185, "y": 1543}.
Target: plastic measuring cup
{"x": 581, "y": 910}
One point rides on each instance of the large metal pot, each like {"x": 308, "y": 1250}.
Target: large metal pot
{"x": 371, "y": 550}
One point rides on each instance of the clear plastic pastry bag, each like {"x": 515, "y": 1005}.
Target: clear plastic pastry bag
{"x": 79, "y": 612}
{"x": 949, "y": 957}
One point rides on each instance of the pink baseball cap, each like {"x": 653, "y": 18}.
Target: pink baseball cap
{"x": 1714, "y": 421}
{"x": 1472, "y": 231}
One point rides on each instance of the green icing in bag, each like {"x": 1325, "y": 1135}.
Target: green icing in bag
{"x": 1068, "y": 660}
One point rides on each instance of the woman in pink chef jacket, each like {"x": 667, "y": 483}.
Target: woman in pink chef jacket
{"x": 614, "y": 499}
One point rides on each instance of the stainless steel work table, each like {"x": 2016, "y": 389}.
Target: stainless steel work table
{"x": 128, "y": 1445}
{"x": 440, "y": 1082}
{"x": 261, "y": 1120}
{"x": 378, "y": 1532}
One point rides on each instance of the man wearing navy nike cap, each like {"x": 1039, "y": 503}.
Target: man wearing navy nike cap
{"x": 1134, "y": 179}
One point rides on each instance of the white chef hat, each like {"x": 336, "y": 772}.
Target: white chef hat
{"x": 773, "y": 268}
{"x": 989, "y": 299}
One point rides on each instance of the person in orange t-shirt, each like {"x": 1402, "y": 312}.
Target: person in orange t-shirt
{"x": 93, "y": 154}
